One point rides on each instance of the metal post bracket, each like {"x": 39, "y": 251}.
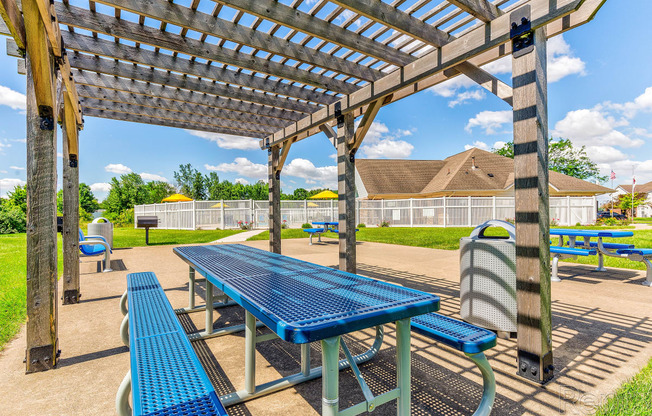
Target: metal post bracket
{"x": 521, "y": 31}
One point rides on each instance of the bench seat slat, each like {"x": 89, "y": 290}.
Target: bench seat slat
{"x": 572, "y": 251}
{"x": 460, "y": 335}
{"x": 167, "y": 377}
{"x": 313, "y": 230}
{"x": 639, "y": 251}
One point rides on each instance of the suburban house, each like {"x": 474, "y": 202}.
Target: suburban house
{"x": 474, "y": 173}
{"x": 644, "y": 210}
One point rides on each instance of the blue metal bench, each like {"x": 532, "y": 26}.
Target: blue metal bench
{"x": 336, "y": 231}
{"x": 165, "y": 376}
{"x": 566, "y": 252}
{"x": 610, "y": 246}
{"x": 643, "y": 255}
{"x": 313, "y": 231}
{"x": 467, "y": 338}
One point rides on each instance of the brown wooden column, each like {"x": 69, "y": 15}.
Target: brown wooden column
{"x": 346, "y": 192}
{"x": 532, "y": 210}
{"x": 42, "y": 325}
{"x": 71, "y": 293}
{"x": 274, "y": 200}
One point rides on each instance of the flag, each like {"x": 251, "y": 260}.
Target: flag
{"x": 613, "y": 175}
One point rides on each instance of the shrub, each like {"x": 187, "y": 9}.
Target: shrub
{"x": 578, "y": 224}
{"x": 12, "y": 219}
{"x": 246, "y": 225}
{"x": 306, "y": 225}
{"x": 510, "y": 220}
{"x": 554, "y": 222}
{"x": 384, "y": 224}
{"x": 284, "y": 224}
{"x": 362, "y": 225}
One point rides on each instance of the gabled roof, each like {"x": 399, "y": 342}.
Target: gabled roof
{"x": 471, "y": 171}
{"x": 644, "y": 188}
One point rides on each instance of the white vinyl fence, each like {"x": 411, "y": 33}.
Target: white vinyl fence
{"x": 430, "y": 212}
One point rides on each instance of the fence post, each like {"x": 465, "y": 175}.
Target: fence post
{"x": 252, "y": 213}
{"x": 222, "y": 215}
{"x": 194, "y": 216}
{"x": 167, "y": 216}
{"x": 382, "y": 210}
{"x": 411, "y": 212}
{"x": 493, "y": 208}
{"x": 305, "y": 210}
{"x": 469, "y": 213}
{"x": 445, "y": 220}
{"x": 568, "y": 210}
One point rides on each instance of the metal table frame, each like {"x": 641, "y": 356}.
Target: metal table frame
{"x": 330, "y": 346}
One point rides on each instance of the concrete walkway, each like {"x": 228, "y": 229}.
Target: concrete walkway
{"x": 602, "y": 335}
{"x": 237, "y": 238}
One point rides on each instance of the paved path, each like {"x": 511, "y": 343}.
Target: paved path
{"x": 238, "y": 237}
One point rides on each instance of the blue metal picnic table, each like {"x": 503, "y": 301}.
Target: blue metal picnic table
{"x": 327, "y": 224}
{"x": 303, "y": 302}
{"x": 587, "y": 235}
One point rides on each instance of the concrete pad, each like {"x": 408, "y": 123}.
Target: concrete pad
{"x": 602, "y": 333}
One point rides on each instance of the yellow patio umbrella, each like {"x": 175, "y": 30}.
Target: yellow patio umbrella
{"x": 312, "y": 205}
{"x": 324, "y": 195}
{"x": 219, "y": 205}
{"x": 176, "y": 198}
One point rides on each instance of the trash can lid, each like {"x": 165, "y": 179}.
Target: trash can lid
{"x": 478, "y": 232}
{"x": 97, "y": 220}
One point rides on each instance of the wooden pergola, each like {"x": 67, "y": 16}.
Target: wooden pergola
{"x": 281, "y": 72}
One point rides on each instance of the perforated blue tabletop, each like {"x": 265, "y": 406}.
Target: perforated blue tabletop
{"x": 590, "y": 233}
{"x": 300, "y": 301}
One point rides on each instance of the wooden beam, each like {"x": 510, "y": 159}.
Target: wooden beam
{"x": 114, "y": 115}
{"x": 295, "y": 19}
{"x": 491, "y": 42}
{"x": 13, "y": 21}
{"x": 120, "y": 51}
{"x": 365, "y": 124}
{"x": 480, "y": 9}
{"x": 486, "y": 81}
{"x": 120, "y": 28}
{"x": 532, "y": 212}
{"x": 70, "y": 235}
{"x": 182, "y": 96}
{"x": 241, "y": 126}
{"x": 392, "y": 17}
{"x": 42, "y": 341}
{"x": 330, "y": 133}
{"x": 274, "y": 178}
{"x": 346, "y": 194}
{"x": 124, "y": 97}
{"x": 71, "y": 89}
{"x": 40, "y": 60}
{"x": 51, "y": 25}
{"x": 284, "y": 155}
{"x": 188, "y": 18}
{"x": 144, "y": 74}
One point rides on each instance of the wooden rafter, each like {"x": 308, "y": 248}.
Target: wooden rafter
{"x": 481, "y": 9}
{"x": 13, "y": 21}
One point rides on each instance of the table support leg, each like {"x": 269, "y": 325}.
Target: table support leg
{"x": 305, "y": 359}
{"x": 250, "y": 353}
{"x": 601, "y": 267}
{"x": 330, "y": 351}
{"x": 554, "y": 277}
{"x": 191, "y": 288}
{"x": 403, "y": 366}
{"x": 209, "y": 311}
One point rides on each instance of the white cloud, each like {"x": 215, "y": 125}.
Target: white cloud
{"x": 642, "y": 103}
{"x": 305, "y": 169}
{"x": 465, "y": 96}
{"x": 59, "y": 154}
{"x": 4, "y": 146}
{"x": 118, "y": 168}
{"x": 242, "y": 181}
{"x": 16, "y": 168}
{"x": 591, "y": 127}
{"x": 499, "y": 66}
{"x": 449, "y": 87}
{"x": 561, "y": 62}
{"x": 153, "y": 177}
{"x": 13, "y": 99}
{"x": 241, "y": 166}
{"x": 375, "y": 132}
{"x": 8, "y": 184}
{"x": 484, "y": 146}
{"x": 100, "y": 187}
{"x": 490, "y": 121}
{"x": 604, "y": 154}
{"x": 19, "y": 140}
{"x": 3, "y": 171}
{"x": 388, "y": 148}
{"x": 227, "y": 141}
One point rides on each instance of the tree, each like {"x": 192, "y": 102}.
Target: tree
{"x": 191, "y": 182}
{"x": 157, "y": 190}
{"x": 564, "y": 158}
{"x": 13, "y": 211}
{"x": 18, "y": 197}
{"x": 125, "y": 192}
{"x": 625, "y": 201}
{"x": 86, "y": 199}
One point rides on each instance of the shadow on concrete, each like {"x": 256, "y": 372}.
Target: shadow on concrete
{"x": 68, "y": 361}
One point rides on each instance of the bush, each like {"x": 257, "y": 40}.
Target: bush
{"x": 306, "y": 225}
{"x": 12, "y": 219}
{"x": 361, "y": 225}
{"x": 246, "y": 225}
{"x": 384, "y": 224}
{"x": 125, "y": 218}
{"x": 284, "y": 224}
{"x": 554, "y": 222}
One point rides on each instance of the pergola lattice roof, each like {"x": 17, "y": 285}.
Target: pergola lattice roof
{"x": 278, "y": 69}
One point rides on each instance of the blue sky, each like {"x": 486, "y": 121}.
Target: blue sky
{"x": 600, "y": 95}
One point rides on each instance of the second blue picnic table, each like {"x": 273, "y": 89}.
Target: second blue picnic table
{"x": 327, "y": 224}
{"x": 608, "y": 249}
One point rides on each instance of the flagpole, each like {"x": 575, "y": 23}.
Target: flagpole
{"x": 631, "y": 216}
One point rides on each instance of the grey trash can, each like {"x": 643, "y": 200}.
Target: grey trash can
{"x": 105, "y": 229}
{"x": 488, "y": 278}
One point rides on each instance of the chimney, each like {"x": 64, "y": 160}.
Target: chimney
{"x": 473, "y": 166}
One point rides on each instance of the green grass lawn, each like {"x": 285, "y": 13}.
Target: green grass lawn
{"x": 632, "y": 398}
{"x": 13, "y": 258}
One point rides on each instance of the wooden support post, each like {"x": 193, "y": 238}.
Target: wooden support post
{"x": 274, "y": 200}
{"x": 346, "y": 192}
{"x": 71, "y": 292}
{"x": 532, "y": 211}
{"x": 42, "y": 326}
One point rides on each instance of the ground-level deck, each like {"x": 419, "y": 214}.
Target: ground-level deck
{"x": 602, "y": 334}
